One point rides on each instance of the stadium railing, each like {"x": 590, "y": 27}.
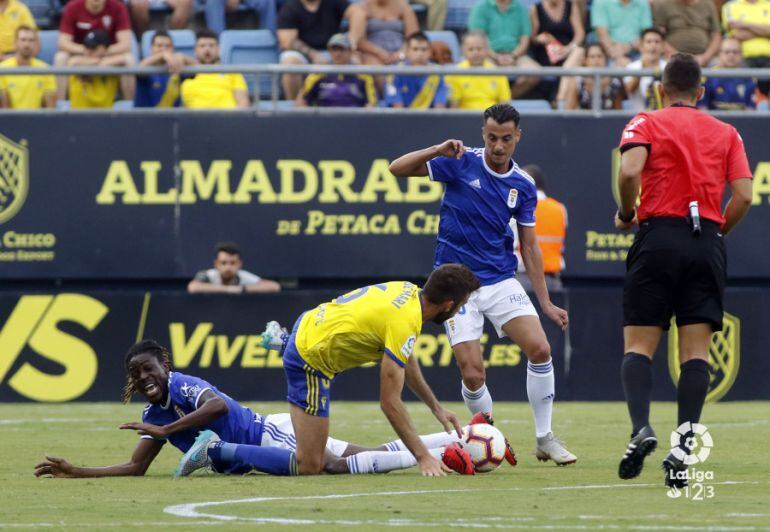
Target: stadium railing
{"x": 275, "y": 71}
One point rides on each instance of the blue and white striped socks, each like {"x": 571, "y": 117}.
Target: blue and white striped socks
{"x": 541, "y": 391}
{"x": 477, "y": 400}
{"x": 379, "y": 462}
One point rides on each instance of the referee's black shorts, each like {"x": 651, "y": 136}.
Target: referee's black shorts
{"x": 671, "y": 271}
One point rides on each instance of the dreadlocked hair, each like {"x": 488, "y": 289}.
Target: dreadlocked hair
{"x": 150, "y": 347}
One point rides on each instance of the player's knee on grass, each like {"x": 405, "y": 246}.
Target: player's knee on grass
{"x": 539, "y": 353}
{"x": 309, "y": 465}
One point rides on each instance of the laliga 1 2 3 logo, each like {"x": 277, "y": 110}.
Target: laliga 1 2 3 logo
{"x": 691, "y": 443}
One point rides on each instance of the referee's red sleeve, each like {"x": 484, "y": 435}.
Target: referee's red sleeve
{"x": 737, "y": 161}
{"x": 636, "y": 132}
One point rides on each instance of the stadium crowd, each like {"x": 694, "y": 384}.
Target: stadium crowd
{"x": 629, "y": 34}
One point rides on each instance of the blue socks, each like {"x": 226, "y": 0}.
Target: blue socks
{"x": 238, "y": 459}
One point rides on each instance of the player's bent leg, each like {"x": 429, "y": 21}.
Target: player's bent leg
{"x": 234, "y": 458}
{"x": 527, "y": 332}
{"x": 311, "y": 433}
{"x": 474, "y": 389}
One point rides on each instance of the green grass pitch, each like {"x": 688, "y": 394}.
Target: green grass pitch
{"x": 586, "y": 496}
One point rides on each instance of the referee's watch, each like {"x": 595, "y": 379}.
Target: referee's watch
{"x": 626, "y": 219}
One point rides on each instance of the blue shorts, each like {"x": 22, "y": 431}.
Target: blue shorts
{"x": 309, "y": 389}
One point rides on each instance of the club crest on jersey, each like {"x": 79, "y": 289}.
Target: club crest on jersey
{"x": 189, "y": 391}
{"x": 513, "y": 197}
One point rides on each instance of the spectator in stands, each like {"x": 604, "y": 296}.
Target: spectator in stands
{"x": 378, "y": 29}
{"x": 79, "y": 18}
{"x": 477, "y": 92}
{"x": 507, "y": 25}
{"x": 94, "y": 92}
{"x": 416, "y": 92}
{"x": 558, "y": 32}
{"x": 13, "y": 14}
{"x": 338, "y": 90}
{"x": 441, "y": 53}
{"x": 227, "y": 277}
{"x": 690, "y": 26}
{"x": 618, "y": 24}
{"x": 304, "y": 29}
{"x": 578, "y": 93}
{"x": 26, "y": 92}
{"x": 161, "y": 90}
{"x": 551, "y": 229}
{"x": 643, "y": 91}
{"x": 213, "y": 91}
{"x": 437, "y": 10}
{"x": 216, "y": 11}
{"x": 181, "y": 13}
{"x": 749, "y": 22}
{"x": 729, "y": 94}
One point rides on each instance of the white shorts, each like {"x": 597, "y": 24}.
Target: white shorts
{"x": 500, "y": 303}
{"x": 279, "y": 432}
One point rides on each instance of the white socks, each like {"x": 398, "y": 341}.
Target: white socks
{"x": 541, "y": 391}
{"x": 431, "y": 441}
{"x": 477, "y": 400}
{"x": 384, "y": 461}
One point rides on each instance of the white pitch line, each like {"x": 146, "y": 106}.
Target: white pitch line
{"x": 190, "y": 510}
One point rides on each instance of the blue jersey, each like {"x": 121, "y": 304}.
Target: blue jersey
{"x": 476, "y": 209}
{"x": 157, "y": 90}
{"x": 416, "y": 92}
{"x": 240, "y": 425}
{"x": 728, "y": 94}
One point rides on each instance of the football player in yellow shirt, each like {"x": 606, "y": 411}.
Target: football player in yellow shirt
{"x": 378, "y": 323}
{"x": 26, "y": 92}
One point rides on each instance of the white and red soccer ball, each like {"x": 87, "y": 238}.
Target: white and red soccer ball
{"x": 486, "y": 446}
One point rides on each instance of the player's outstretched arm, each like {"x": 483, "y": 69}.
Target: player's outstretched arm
{"x": 391, "y": 386}
{"x": 414, "y": 163}
{"x": 417, "y": 383}
{"x": 144, "y": 453}
{"x": 210, "y": 408}
{"x": 533, "y": 261}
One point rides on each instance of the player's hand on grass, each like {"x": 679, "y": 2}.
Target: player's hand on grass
{"x": 451, "y": 148}
{"x": 558, "y": 315}
{"x": 56, "y": 467}
{"x": 449, "y": 420}
{"x": 146, "y": 429}
{"x": 430, "y": 467}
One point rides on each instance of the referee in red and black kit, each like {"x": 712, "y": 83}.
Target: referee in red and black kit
{"x": 682, "y": 158}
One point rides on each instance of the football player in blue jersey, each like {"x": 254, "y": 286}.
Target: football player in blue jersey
{"x": 233, "y": 439}
{"x": 484, "y": 189}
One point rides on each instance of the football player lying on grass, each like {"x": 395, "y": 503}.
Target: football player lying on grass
{"x": 232, "y": 438}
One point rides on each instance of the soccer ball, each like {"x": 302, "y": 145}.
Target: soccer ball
{"x": 486, "y": 445}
